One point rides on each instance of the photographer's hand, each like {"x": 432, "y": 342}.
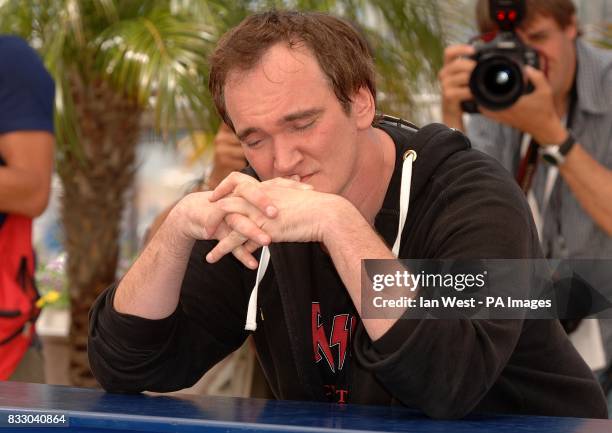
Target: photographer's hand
{"x": 534, "y": 113}
{"x": 454, "y": 80}
{"x": 228, "y": 156}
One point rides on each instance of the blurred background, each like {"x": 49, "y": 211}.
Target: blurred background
{"x": 135, "y": 124}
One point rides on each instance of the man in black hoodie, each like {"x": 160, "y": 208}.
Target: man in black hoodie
{"x": 323, "y": 193}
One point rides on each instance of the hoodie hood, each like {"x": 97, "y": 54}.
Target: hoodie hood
{"x": 433, "y": 144}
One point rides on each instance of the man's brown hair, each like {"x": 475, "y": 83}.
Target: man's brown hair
{"x": 561, "y": 11}
{"x": 342, "y": 53}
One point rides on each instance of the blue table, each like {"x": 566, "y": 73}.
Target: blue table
{"x": 94, "y": 410}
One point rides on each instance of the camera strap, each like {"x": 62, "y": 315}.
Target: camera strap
{"x": 529, "y": 163}
{"x": 528, "y": 166}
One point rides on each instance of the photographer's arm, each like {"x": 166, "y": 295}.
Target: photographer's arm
{"x": 25, "y": 180}
{"x": 591, "y": 183}
{"x": 538, "y": 115}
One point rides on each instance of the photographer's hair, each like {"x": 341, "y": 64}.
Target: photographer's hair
{"x": 561, "y": 11}
{"x": 342, "y": 53}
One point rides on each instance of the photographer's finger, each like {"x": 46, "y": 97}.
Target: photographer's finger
{"x": 458, "y": 94}
{"x": 453, "y": 52}
{"x": 537, "y": 77}
{"x": 228, "y": 164}
{"x": 461, "y": 65}
{"x": 456, "y": 73}
{"x": 225, "y": 133}
{"x": 229, "y": 152}
{"x": 460, "y": 79}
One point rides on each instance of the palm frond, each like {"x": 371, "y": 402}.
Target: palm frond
{"x": 159, "y": 59}
{"x": 156, "y": 51}
{"x": 604, "y": 36}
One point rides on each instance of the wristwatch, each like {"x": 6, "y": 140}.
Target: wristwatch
{"x": 555, "y": 153}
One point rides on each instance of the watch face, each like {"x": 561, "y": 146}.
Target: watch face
{"x": 552, "y": 155}
{"x": 549, "y": 158}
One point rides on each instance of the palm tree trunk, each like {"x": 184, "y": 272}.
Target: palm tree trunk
{"x": 94, "y": 184}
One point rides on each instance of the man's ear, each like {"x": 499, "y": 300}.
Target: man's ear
{"x": 572, "y": 28}
{"x": 363, "y": 108}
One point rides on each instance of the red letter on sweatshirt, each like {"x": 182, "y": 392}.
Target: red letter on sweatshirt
{"x": 320, "y": 344}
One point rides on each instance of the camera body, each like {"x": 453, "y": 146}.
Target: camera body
{"x": 498, "y": 81}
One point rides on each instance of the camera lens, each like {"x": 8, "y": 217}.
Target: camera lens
{"x": 496, "y": 83}
{"x": 499, "y": 80}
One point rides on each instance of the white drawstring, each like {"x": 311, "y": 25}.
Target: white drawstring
{"x": 409, "y": 157}
{"x": 251, "y": 319}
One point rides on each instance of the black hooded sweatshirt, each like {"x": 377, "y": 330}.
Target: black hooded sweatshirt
{"x": 463, "y": 205}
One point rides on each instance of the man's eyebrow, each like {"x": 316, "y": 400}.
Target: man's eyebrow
{"x": 242, "y": 135}
{"x": 299, "y": 115}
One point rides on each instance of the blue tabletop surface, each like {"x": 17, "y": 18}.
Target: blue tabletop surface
{"x": 94, "y": 410}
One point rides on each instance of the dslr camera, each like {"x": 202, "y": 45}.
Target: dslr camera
{"x": 498, "y": 81}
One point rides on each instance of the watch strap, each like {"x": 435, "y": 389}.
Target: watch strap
{"x": 567, "y": 144}
{"x": 555, "y": 153}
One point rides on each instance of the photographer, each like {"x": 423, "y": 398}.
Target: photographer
{"x": 566, "y": 118}
{"x": 584, "y": 213}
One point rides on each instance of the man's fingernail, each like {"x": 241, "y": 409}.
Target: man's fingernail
{"x": 209, "y": 258}
{"x": 271, "y": 211}
{"x": 263, "y": 239}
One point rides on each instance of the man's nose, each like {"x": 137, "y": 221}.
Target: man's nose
{"x": 286, "y": 158}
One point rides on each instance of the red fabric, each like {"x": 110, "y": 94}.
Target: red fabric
{"x": 527, "y": 167}
{"x": 18, "y": 293}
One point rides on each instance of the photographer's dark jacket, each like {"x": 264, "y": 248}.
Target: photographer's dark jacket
{"x": 463, "y": 205}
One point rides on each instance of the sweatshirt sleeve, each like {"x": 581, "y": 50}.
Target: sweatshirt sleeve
{"x": 445, "y": 367}
{"x": 132, "y": 354}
